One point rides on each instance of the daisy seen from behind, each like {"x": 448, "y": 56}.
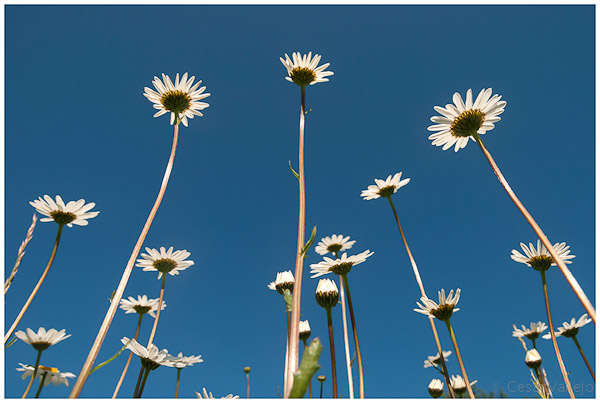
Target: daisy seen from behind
{"x": 532, "y": 332}
{"x": 142, "y": 305}
{"x": 302, "y": 69}
{"x": 74, "y": 212}
{"x": 334, "y": 244}
{"x": 180, "y": 362}
{"x": 164, "y": 261}
{"x": 384, "y": 188}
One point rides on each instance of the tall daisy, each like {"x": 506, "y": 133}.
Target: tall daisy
{"x": 303, "y": 70}
{"x": 74, "y": 212}
{"x": 463, "y": 120}
{"x": 182, "y": 100}
{"x": 540, "y": 259}
{"x": 386, "y": 189}
{"x": 327, "y": 295}
{"x": 532, "y": 332}
{"x": 151, "y": 358}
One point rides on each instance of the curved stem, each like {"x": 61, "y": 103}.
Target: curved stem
{"x": 37, "y": 394}
{"x": 459, "y": 358}
{"x": 137, "y": 332}
{"x": 423, "y": 294}
{"x": 346, "y": 341}
{"x": 332, "y": 351}
{"x": 563, "y": 267}
{"x": 177, "y": 385}
{"x": 561, "y": 364}
{"x": 584, "y": 358}
{"x": 361, "y": 379}
{"x": 294, "y": 335}
{"x": 126, "y": 274}
{"x": 146, "y": 373}
{"x": 37, "y": 286}
{"x": 35, "y": 370}
{"x": 158, "y": 309}
{"x": 310, "y": 380}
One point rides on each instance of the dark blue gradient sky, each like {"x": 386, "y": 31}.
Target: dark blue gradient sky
{"x": 77, "y": 124}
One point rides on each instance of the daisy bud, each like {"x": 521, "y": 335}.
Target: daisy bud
{"x": 321, "y": 378}
{"x": 284, "y": 281}
{"x": 327, "y": 293}
{"x": 304, "y": 330}
{"x": 533, "y": 359}
{"x": 247, "y": 370}
{"x": 436, "y": 388}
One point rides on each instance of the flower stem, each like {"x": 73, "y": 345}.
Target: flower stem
{"x": 459, "y": 358}
{"x": 37, "y": 394}
{"x": 247, "y": 386}
{"x": 126, "y": 274}
{"x": 561, "y": 364}
{"x": 584, "y": 358}
{"x": 423, "y": 294}
{"x": 146, "y": 373}
{"x": 37, "y": 286}
{"x": 533, "y": 342}
{"x": 563, "y": 267}
{"x": 310, "y": 380}
{"x": 288, "y": 315}
{"x": 35, "y": 370}
{"x": 137, "y": 332}
{"x": 332, "y": 351}
{"x": 158, "y": 309}
{"x": 361, "y": 379}
{"x": 321, "y": 395}
{"x": 20, "y": 254}
{"x": 177, "y": 385}
{"x": 346, "y": 341}
{"x": 294, "y": 335}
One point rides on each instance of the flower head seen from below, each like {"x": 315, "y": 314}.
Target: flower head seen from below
{"x": 327, "y": 293}
{"x": 339, "y": 266}
{"x": 209, "y": 395}
{"x": 539, "y": 258}
{"x": 141, "y": 305}
{"x": 436, "y": 388}
{"x": 52, "y": 374}
{"x": 304, "y": 330}
{"x": 181, "y": 99}
{"x": 302, "y": 69}
{"x": 458, "y": 384}
{"x": 334, "y": 244}
{"x": 151, "y": 358}
{"x": 570, "y": 329}
{"x": 533, "y": 359}
{"x": 74, "y": 212}
{"x": 384, "y": 188}
{"x": 42, "y": 339}
{"x": 465, "y": 119}
{"x": 180, "y": 361}
{"x": 165, "y": 261}
{"x": 283, "y": 281}
{"x": 442, "y": 310}
{"x": 532, "y": 333}
{"x": 434, "y": 360}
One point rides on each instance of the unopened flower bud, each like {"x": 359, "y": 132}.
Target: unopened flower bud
{"x": 284, "y": 281}
{"x": 436, "y": 388}
{"x": 533, "y": 359}
{"x": 304, "y": 330}
{"x": 321, "y": 378}
{"x": 247, "y": 370}
{"x": 327, "y": 293}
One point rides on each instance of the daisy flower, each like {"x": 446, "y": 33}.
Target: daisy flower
{"x": 42, "y": 339}
{"x": 181, "y": 98}
{"x": 334, "y": 244}
{"x": 327, "y": 293}
{"x": 570, "y": 329}
{"x": 209, "y": 395}
{"x": 52, "y": 374}
{"x": 458, "y": 384}
{"x": 303, "y": 70}
{"x": 151, "y": 358}
{"x": 283, "y": 281}
{"x": 532, "y": 332}
{"x": 465, "y": 119}
{"x": 384, "y": 188}
{"x": 141, "y": 305}
{"x": 304, "y": 330}
{"x": 434, "y": 360}
{"x": 539, "y": 258}
{"x": 74, "y": 212}
{"x": 435, "y": 388}
{"x": 180, "y": 361}
{"x": 443, "y": 310}
{"x": 338, "y": 266}
{"x": 165, "y": 261}
{"x": 533, "y": 359}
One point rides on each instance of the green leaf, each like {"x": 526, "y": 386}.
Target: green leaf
{"x": 308, "y": 367}
{"x": 292, "y": 169}
{"x": 310, "y": 241}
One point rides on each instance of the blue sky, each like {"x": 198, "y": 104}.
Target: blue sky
{"x": 76, "y": 124}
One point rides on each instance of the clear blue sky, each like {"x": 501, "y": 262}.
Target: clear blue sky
{"x": 78, "y": 125}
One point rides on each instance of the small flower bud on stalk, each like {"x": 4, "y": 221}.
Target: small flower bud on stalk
{"x": 533, "y": 359}
{"x": 436, "y": 388}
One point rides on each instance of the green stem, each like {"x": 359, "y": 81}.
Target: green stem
{"x": 146, "y": 373}
{"x": 177, "y": 385}
{"x": 37, "y": 394}
{"x": 292, "y": 364}
{"x": 459, "y": 358}
{"x": 361, "y": 379}
{"x": 35, "y": 369}
{"x": 332, "y": 351}
{"x": 321, "y": 395}
{"x": 37, "y": 286}
{"x": 160, "y": 300}
{"x": 561, "y": 265}
{"x": 423, "y": 294}
{"x": 561, "y": 364}
{"x": 584, "y": 358}
{"x": 137, "y": 332}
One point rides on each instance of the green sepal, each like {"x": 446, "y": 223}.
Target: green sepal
{"x": 310, "y": 241}
{"x": 110, "y": 359}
